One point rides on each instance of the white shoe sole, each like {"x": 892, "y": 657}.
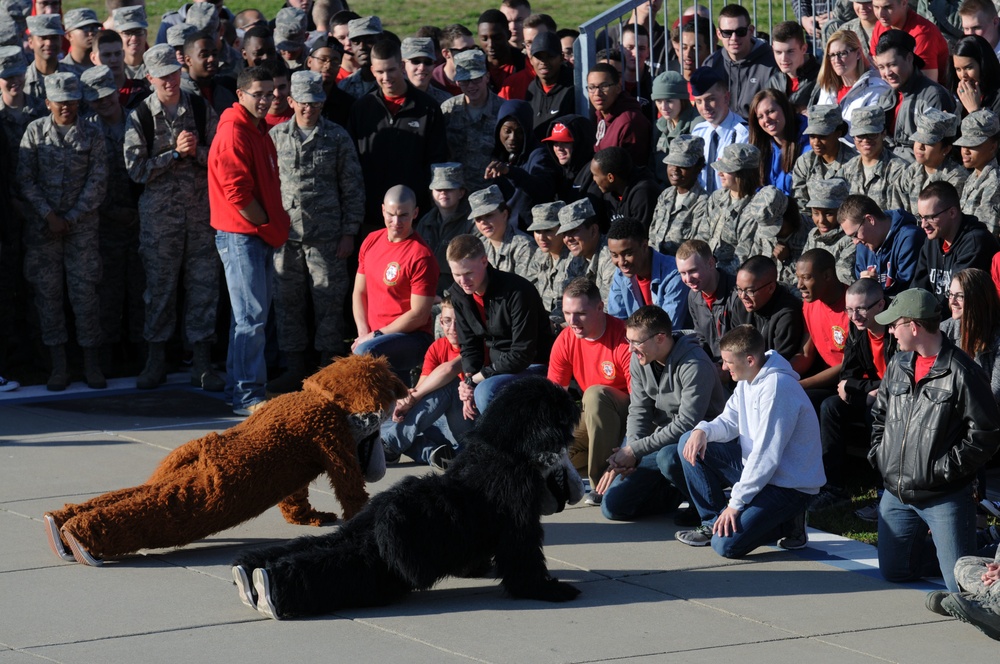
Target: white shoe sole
{"x": 262, "y": 584}
{"x": 55, "y": 542}
{"x": 244, "y": 586}
{"x": 81, "y": 555}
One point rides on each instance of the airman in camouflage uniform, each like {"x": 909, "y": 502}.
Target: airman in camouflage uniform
{"x": 878, "y": 181}
{"x": 322, "y": 190}
{"x": 969, "y": 572}
{"x": 933, "y": 127}
{"x": 582, "y": 235}
{"x": 175, "y": 236}
{"x": 78, "y": 19}
{"x": 361, "y": 82}
{"x": 827, "y": 197}
{"x": 514, "y": 251}
{"x": 470, "y": 129}
{"x": 825, "y": 121}
{"x": 422, "y": 48}
{"x": 63, "y": 174}
{"x": 777, "y": 235}
{"x": 46, "y": 39}
{"x": 119, "y": 214}
{"x": 439, "y": 226}
{"x": 206, "y": 19}
{"x": 551, "y": 272}
{"x": 13, "y": 21}
{"x": 127, "y": 19}
{"x": 981, "y": 196}
{"x": 681, "y": 211}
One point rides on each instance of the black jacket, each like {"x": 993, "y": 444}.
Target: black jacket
{"x": 803, "y": 96}
{"x": 712, "y": 324}
{"x": 858, "y": 367}
{"x": 547, "y": 106}
{"x": 574, "y": 177}
{"x": 397, "y": 149}
{"x": 637, "y": 202}
{"x": 974, "y": 246}
{"x": 517, "y": 331}
{"x": 779, "y": 321}
{"x": 930, "y": 438}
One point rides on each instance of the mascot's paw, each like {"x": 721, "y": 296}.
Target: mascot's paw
{"x": 262, "y": 584}
{"x": 81, "y": 555}
{"x": 244, "y": 586}
{"x": 311, "y": 517}
{"x": 55, "y": 541}
{"x": 550, "y": 590}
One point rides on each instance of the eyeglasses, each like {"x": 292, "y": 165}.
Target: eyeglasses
{"x": 861, "y": 311}
{"x": 739, "y": 32}
{"x": 322, "y": 60}
{"x": 603, "y": 87}
{"x": 957, "y": 297}
{"x": 453, "y": 51}
{"x": 635, "y": 343}
{"x": 841, "y": 55}
{"x": 315, "y": 105}
{"x": 932, "y": 217}
{"x": 750, "y": 292}
{"x": 898, "y": 323}
{"x": 258, "y": 96}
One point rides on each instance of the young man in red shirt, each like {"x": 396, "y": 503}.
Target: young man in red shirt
{"x": 592, "y": 349}
{"x": 395, "y": 287}
{"x": 826, "y": 324}
{"x": 931, "y": 46}
{"x": 244, "y": 194}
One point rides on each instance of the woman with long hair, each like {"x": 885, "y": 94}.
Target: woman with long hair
{"x": 975, "y": 75}
{"x": 777, "y": 131}
{"x": 846, "y": 77}
{"x": 974, "y": 325}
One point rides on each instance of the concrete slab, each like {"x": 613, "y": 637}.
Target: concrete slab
{"x": 935, "y": 641}
{"x": 813, "y": 651}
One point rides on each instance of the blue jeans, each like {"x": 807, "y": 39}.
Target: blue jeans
{"x": 651, "y": 489}
{"x": 404, "y": 350}
{"x": 433, "y": 421}
{"x": 762, "y": 518}
{"x": 249, "y": 267}
{"x": 904, "y": 551}
{"x": 487, "y": 389}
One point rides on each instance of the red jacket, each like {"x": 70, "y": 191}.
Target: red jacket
{"x": 243, "y": 167}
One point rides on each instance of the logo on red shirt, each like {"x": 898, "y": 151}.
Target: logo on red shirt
{"x": 839, "y": 337}
{"x": 391, "y": 275}
{"x": 608, "y": 369}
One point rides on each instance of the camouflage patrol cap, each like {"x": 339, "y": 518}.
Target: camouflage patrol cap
{"x": 685, "y": 151}
{"x": 98, "y": 82}
{"x": 80, "y": 18}
{"x": 289, "y": 29}
{"x": 867, "y": 120}
{"x": 933, "y": 126}
{"x": 737, "y": 156}
{"x": 12, "y": 62}
{"x": 545, "y": 217}
{"x": 576, "y": 214}
{"x": 16, "y": 8}
{"x": 447, "y": 175}
{"x": 469, "y": 65}
{"x": 130, "y": 18}
{"x": 824, "y": 119}
{"x": 62, "y": 86}
{"x": 828, "y": 194}
{"x": 363, "y": 27}
{"x": 977, "y": 127}
{"x": 485, "y": 201}
{"x": 10, "y": 33}
{"x": 307, "y": 87}
{"x": 204, "y": 16}
{"x": 161, "y": 61}
{"x": 45, "y": 25}
{"x": 178, "y": 34}
{"x": 767, "y": 208}
{"x": 418, "y": 47}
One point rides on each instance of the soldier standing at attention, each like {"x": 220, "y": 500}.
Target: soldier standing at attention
{"x": 321, "y": 187}
{"x": 166, "y": 149}
{"x": 63, "y": 173}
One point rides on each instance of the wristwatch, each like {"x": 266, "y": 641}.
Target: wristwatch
{"x": 469, "y": 381}
{"x": 377, "y": 333}
{"x": 175, "y": 154}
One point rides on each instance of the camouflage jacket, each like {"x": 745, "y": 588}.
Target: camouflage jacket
{"x": 809, "y": 166}
{"x": 881, "y": 184}
{"x": 514, "y": 253}
{"x": 838, "y": 244}
{"x": 550, "y": 276}
{"x": 674, "y": 222}
{"x": 736, "y": 225}
{"x": 981, "y": 196}
{"x": 119, "y": 203}
{"x": 321, "y": 185}
{"x": 437, "y": 231}
{"x": 471, "y": 140}
{"x": 66, "y": 174}
{"x": 356, "y": 86}
{"x": 34, "y": 80}
{"x": 601, "y": 268}
{"x": 14, "y": 122}
{"x": 915, "y": 178}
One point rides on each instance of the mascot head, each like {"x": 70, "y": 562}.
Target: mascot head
{"x": 366, "y": 388}
{"x": 537, "y": 418}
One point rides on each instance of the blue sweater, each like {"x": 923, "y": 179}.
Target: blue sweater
{"x": 896, "y": 260}
{"x": 666, "y": 288}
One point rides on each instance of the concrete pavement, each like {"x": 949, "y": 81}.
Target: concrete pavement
{"x": 646, "y": 598}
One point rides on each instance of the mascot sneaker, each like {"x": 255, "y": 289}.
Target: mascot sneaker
{"x": 262, "y": 584}
{"x": 55, "y": 542}
{"x": 81, "y": 555}
{"x": 244, "y": 586}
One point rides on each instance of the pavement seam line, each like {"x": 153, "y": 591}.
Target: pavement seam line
{"x": 420, "y": 641}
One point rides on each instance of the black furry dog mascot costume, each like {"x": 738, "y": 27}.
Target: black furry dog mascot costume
{"x": 485, "y": 509}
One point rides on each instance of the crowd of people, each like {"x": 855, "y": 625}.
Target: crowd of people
{"x": 750, "y": 254}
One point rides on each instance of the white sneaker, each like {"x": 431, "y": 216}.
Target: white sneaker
{"x": 8, "y": 385}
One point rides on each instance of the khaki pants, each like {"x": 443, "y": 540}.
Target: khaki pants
{"x": 601, "y": 429}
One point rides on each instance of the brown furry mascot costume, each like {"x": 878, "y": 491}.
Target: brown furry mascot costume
{"x": 223, "y": 479}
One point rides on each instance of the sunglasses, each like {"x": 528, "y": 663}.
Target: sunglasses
{"x": 739, "y": 32}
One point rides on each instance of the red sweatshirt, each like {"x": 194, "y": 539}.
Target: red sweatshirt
{"x": 243, "y": 167}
